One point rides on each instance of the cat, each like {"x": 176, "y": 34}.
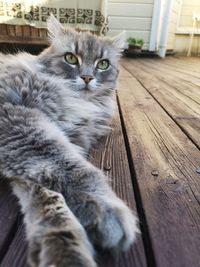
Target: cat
{"x": 53, "y": 108}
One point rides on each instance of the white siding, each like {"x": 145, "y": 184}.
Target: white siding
{"x": 188, "y": 7}
{"x": 184, "y": 27}
{"x": 133, "y": 16}
{"x": 173, "y": 24}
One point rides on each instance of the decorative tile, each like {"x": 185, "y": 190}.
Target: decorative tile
{"x": 13, "y": 10}
{"x": 46, "y": 11}
{"x": 67, "y": 15}
{"x": 99, "y": 18}
{"x": 84, "y": 16}
{"x": 33, "y": 14}
{"x": 37, "y": 15}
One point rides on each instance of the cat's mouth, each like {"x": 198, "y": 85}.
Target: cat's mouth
{"x": 87, "y": 87}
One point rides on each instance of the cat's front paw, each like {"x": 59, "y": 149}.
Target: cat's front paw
{"x": 56, "y": 238}
{"x": 110, "y": 223}
{"x": 116, "y": 228}
{"x": 60, "y": 249}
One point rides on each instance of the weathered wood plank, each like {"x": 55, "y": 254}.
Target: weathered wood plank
{"x": 175, "y": 73}
{"x": 22, "y": 34}
{"x": 110, "y": 155}
{"x": 17, "y": 253}
{"x": 18, "y": 30}
{"x": 183, "y": 64}
{"x": 11, "y": 30}
{"x": 26, "y": 31}
{"x": 179, "y": 98}
{"x": 3, "y": 29}
{"x": 34, "y": 32}
{"x": 165, "y": 162}
{"x": 43, "y": 33}
{"x": 8, "y": 217}
{"x": 25, "y": 40}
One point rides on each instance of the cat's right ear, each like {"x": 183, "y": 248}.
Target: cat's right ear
{"x": 119, "y": 40}
{"x": 55, "y": 29}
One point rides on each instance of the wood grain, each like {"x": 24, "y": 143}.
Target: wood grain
{"x": 23, "y": 34}
{"x": 177, "y": 96}
{"x": 16, "y": 256}
{"x": 11, "y": 30}
{"x": 26, "y": 30}
{"x": 165, "y": 162}
{"x": 8, "y": 217}
{"x": 19, "y": 30}
{"x": 3, "y": 29}
{"x": 110, "y": 156}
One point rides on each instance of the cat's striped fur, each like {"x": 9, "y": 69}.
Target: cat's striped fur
{"x": 49, "y": 118}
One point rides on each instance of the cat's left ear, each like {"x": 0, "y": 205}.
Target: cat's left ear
{"x": 119, "y": 40}
{"x": 54, "y": 27}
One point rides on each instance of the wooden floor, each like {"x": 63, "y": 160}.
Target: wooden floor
{"x": 153, "y": 155}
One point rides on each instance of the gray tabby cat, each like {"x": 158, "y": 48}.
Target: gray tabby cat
{"x": 53, "y": 107}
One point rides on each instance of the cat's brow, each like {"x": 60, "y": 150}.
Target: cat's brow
{"x": 102, "y": 52}
{"x": 76, "y": 47}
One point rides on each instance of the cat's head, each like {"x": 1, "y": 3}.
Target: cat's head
{"x": 88, "y": 62}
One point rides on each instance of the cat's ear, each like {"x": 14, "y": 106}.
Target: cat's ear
{"x": 119, "y": 40}
{"x": 54, "y": 27}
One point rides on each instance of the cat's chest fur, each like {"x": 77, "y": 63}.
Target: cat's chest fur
{"x": 82, "y": 116}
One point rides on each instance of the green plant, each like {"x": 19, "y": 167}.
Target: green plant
{"x": 135, "y": 41}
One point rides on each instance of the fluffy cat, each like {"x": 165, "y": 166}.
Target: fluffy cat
{"x": 53, "y": 107}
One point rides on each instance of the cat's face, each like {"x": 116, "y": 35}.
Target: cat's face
{"x": 88, "y": 62}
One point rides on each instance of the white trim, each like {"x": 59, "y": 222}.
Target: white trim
{"x": 187, "y": 30}
{"x": 179, "y": 15}
{"x": 155, "y": 26}
{"x": 104, "y": 7}
{"x": 165, "y": 28}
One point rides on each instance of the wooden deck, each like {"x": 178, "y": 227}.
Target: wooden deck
{"x": 153, "y": 153}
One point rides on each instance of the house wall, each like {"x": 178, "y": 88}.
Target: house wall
{"x": 133, "y": 16}
{"x": 173, "y": 24}
{"x": 188, "y": 7}
{"x": 184, "y": 27}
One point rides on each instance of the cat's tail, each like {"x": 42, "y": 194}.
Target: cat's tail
{"x": 55, "y": 236}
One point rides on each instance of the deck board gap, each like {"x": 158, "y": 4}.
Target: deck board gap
{"x": 150, "y": 257}
{"x": 9, "y": 240}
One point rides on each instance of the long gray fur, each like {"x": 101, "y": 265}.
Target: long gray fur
{"x": 48, "y": 122}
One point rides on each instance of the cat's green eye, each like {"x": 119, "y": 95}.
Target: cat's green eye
{"x": 103, "y": 64}
{"x": 71, "y": 59}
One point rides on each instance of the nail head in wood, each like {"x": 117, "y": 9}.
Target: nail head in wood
{"x": 198, "y": 170}
{"x": 107, "y": 167}
{"x": 155, "y": 172}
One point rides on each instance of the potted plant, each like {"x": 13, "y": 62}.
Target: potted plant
{"x": 134, "y": 45}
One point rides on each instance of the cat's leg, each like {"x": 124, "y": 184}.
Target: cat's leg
{"x": 55, "y": 236}
{"x": 110, "y": 224}
{"x": 34, "y": 148}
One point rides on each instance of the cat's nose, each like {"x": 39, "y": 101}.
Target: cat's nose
{"x": 87, "y": 78}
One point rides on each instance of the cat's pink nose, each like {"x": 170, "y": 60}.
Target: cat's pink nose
{"x": 87, "y": 78}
